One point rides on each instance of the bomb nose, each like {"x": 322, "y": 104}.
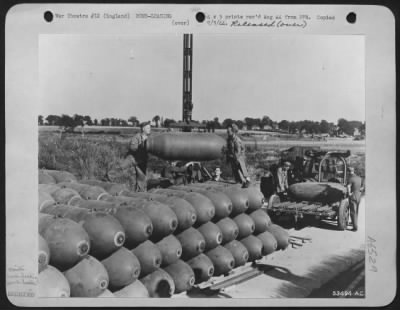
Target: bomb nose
{"x": 179, "y": 252}
{"x": 252, "y": 227}
{"x": 194, "y": 217}
{"x": 191, "y": 281}
{"x": 174, "y": 224}
{"x": 230, "y": 207}
{"x": 103, "y": 284}
{"x": 219, "y": 238}
{"x": 201, "y": 246}
{"x": 149, "y": 230}
{"x": 246, "y": 256}
{"x": 231, "y": 263}
{"x": 157, "y": 262}
{"x": 119, "y": 239}
{"x": 83, "y": 248}
{"x": 236, "y": 233}
{"x": 211, "y": 271}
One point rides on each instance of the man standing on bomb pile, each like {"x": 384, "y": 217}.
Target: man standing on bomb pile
{"x": 236, "y": 157}
{"x": 137, "y": 158}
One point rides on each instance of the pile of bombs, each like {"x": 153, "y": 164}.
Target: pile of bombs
{"x": 99, "y": 239}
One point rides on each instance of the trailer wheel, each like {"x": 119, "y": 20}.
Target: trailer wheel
{"x": 273, "y": 199}
{"x": 343, "y": 214}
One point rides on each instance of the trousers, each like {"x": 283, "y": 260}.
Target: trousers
{"x": 354, "y": 203}
{"x": 239, "y": 170}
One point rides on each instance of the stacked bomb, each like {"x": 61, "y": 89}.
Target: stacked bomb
{"x": 169, "y": 238}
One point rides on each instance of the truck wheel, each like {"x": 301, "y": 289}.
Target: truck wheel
{"x": 343, "y": 214}
{"x": 273, "y": 199}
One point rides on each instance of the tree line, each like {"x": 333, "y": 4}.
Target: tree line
{"x": 342, "y": 126}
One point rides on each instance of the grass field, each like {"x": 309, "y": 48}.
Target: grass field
{"x": 96, "y": 153}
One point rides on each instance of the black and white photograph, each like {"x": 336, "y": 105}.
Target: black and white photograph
{"x": 207, "y": 165}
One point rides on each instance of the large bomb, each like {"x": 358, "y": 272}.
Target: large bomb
{"x": 114, "y": 189}
{"x": 229, "y": 229}
{"x": 45, "y": 178}
{"x": 246, "y": 225}
{"x": 163, "y": 218}
{"x": 122, "y": 267}
{"x": 254, "y": 246}
{"x": 318, "y": 192}
{"x": 222, "y": 203}
{"x": 254, "y": 195}
{"x": 202, "y": 266}
{"x": 48, "y": 188}
{"x": 280, "y": 234}
{"x": 149, "y": 257}
{"x": 204, "y": 207}
{"x": 182, "y": 275}
{"x": 133, "y": 290}
{"x": 171, "y": 250}
{"x": 43, "y": 254}
{"x": 45, "y": 199}
{"x": 184, "y": 211}
{"x": 192, "y": 242}
{"x": 65, "y": 195}
{"x": 222, "y": 259}
{"x": 212, "y": 235}
{"x": 239, "y": 252}
{"x": 239, "y": 198}
{"x": 261, "y": 220}
{"x": 61, "y": 176}
{"x": 88, "y": 278}
{"x": 186, "y": 146}
{"x": 86, "y": 191}
{"x": 105, "y": 232}
{"x": 269, "y": 242}
{"x": 159, "y": 284}
{"x": 68, "y": 241}
{"x": 136, "y": 224}
{"x": 52, "y": 283}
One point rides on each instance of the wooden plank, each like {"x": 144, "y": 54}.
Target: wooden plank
{"x": 295, "y": 206}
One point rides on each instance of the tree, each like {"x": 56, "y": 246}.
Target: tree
{"x": 105, "y": 122}
{"x": 168, "y": 122}
{"x": 284, "y": 125}
{"x": 156, "y": 119}
{"x": 79, "y": 120}
{"x": 265, "y": 121}
{"x": 345, "y": 126}
{"x": 88, "y": 121}
{"x": 240, "y": 124}
{"x": 134, "y": 120}
{"x": 216, "y": 123}
{"x": 67, "y": 122}
{"x": 53, "y": 120}
{"x": 227, "y": 122}
{"x": 40, "y": 120}
{"x": 95, "y": 122}
{"x": 324, "y": 126}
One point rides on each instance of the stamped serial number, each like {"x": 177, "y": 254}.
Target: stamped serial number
{"x": 348, "y": 293}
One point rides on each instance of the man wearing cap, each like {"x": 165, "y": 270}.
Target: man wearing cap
{"x": 354, "y": 191}
{"x": 236, "y": 157}
{"x": 137, "y": 157}
{"x": 282, "y": 184}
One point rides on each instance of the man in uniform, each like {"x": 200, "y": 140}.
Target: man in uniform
{"x": 282, "y": 184}
{"x": 137, "y": 158}
{"x": 354, "y": 191}
{"x": 236, "y": 157}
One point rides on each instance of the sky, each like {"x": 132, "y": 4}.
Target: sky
{"x": 234, "y": 76}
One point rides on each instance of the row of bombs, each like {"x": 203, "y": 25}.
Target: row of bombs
{"x": 169, "y": 239}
